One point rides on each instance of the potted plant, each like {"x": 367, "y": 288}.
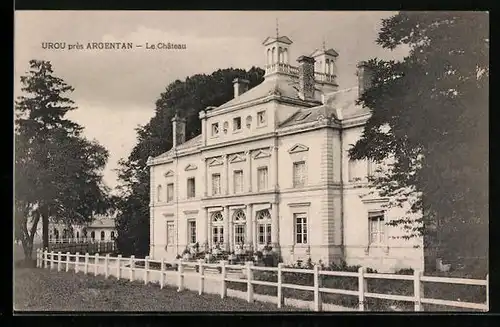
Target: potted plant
{"x": 267, "y": 250}
{"x": 208, "y": 256}
{"x": 186, "y": 255}
{"x": 257, "y": 256}
{"x": 216, "y": 250}
{"x": 238, "y": 249}
{"x": 231, "y": 258}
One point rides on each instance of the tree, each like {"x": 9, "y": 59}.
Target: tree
{"x": 430, "y": 118}
{"x": 186, "y": 98}
{"x": 58, "y": 173}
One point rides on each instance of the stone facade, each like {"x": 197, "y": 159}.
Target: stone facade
{"x": 271, "y": 166}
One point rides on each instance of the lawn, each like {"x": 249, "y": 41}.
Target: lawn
{"x": 45, "y": 290}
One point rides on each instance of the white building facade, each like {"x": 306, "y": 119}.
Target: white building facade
{"x": 271, "y": 166}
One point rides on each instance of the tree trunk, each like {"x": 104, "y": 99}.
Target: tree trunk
{"x": 45, "y": 228}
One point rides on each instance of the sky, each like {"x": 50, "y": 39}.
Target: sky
{"x": 116, "y": 90}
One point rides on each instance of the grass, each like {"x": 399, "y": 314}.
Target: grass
{"x": 45, "y": 290}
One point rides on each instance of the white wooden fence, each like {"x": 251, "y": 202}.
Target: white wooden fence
{"x": 119, "y": 267}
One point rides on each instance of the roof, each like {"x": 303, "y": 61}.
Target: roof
{"x": 286, "y": 88}
{"x": 103, "y": 223}
{"x": 330, "y": 52}
{"x": 341, "y": 105}
{"x": 191, "y": 143}
{"x": 282, "y": 39}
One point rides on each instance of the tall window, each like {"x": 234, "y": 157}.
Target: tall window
{"x": 352, "y": 170}
{"x": 371, "y": 167}
{"x": 158, "y": 193}
{"x": 215, "y": 129}
{"x": 299, "y": 174}
{"x": 262, "y": 178}
{"x": 92, "y": 235}
{"x": 376, "y": 227}
{"x": 217, "y": 228}
{"x": 190, "y": 188}
{"x": 215, "y": 184}
{"x": 239, "y": 220}
{"x": 192, "y": 231}
{"x": 103, "y": 235}
{"x": 236, "y": 124}
{"x": 238, "y": 181}
{"x": 263, "y": 227}
{"x": 170, "y": 233}
{"x": 261, "y": 118}
{"x": 170, "y": 192}
{"x": 77, "y": 235}
{"x": 300, "y": 228}
{"x": 113, "y": 235}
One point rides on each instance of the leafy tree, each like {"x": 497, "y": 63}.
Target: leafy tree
{"x": 186, "y": 98}
{"x": 58, "y": 173}
{"x": 430, "y": 117}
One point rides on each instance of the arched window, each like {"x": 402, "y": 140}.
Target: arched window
{"x": 56, "y": 233}
{"x": 158, "y": 193}
{"x": 327, "y": 68}
{"x": 77, "y": 234}
{"x": 331, "y": 68}
{"x": 239, "y": 220}
{"x": 112, "y": 235}
{"x": 103, "y": 235}
{"x": 217, "y": 228}
{"x": 249, "y": 121}
{"x": 285, "y": 56}
{"x": 273, "y": 55}
{"x": 92, "y": 235}
{"x": 269, "y": 58}
{"x": 280, "y": 54}
{"x": 263, "y": 227}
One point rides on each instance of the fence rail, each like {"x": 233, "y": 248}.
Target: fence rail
{"x": 126, "y": 268}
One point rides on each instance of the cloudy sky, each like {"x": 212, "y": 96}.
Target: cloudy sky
{"x": 116, "y": 90}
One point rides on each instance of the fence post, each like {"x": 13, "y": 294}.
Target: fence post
{"x": 146, "y": 270}
{"x": 77, "y": 261}
{"x": 162, "y": 273}
{"x": 417, "y": 290}
{"x": 317, "y": 294}
{"x": 131, "y": 261}
{"x": 249, "y": 265}
{"x": 38, "y": 258}
{"x": 361, "y": 288}
{"x": 488, "y": 292}
{"x": 201, "y": 272}
{"x": 46, "y": 258}
{"x": 96, "y": 261}
{"x": 67, "y": 261}
{"x": 280, "y": 282}
{"x": 52, "y": 260}
{"x": 106, "y": 268}
{"x": 180, "y": 277}
{"x": 223, "y": 289}
{"x": 86, "y": 266}
{"x": 119, "y": 266}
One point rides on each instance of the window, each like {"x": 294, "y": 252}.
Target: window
{"x": 353, "y": 176}
{"x": 92, "y": 235}
{"x": 158, "y": 193}
{"x": 103, "y": 236}
{"x": 215, "y": 184}
{"x": 77, "y": 235}
{"x": 170, "y": 233}
{"x": 236, "y": 124}
{"x": 215, "y": 129}
{"x": 217, "y": 228}
{"x": 261, "y": 118}
{"x": 170, "y": 192}
{"x": 239, "y": 220}
{"x": 376, "y": 227}
{"x": 299, "y": 174}
{"x": 372, "y": 166}
{"x": 238, "y": 181}
{"x": 300, "y": 228}
{"x": 226, "y": 126}
{"x": 262, "y": 178}
{"x": 192, "y": 231}
{"x": 263, "y": 227}
{"x": 112, "y": 235}
{"x": 190, "y": 188}
{"x": 249, "y": 121}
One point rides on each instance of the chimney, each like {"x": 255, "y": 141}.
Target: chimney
{"x": 365, "y": 76}
{"x": 178, "y": 131}
{"x": 240, "y": 86}
{"x": 306, "y": 77}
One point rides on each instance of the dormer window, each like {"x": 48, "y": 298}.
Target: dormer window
{"x": 249, "y": 121}
{"x": 261, "y": 118}
{"x": 215, "y": 129}
{"x": 226, "y": 126}
{"x": 237, "y": 124}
